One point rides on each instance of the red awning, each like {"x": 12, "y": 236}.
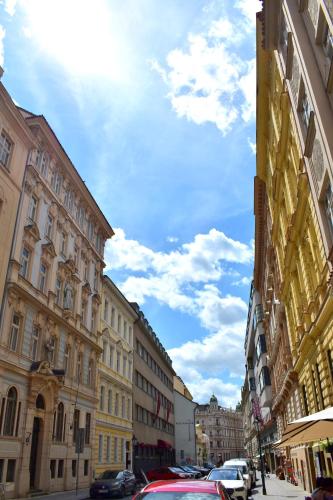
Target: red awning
{"x": 163, "y": 444}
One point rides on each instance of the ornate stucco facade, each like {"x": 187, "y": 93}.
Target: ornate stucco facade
{"x": 224, "y": 427}
{"x": 293, "y": 209}
{"x": 114, "y": 424}
{"x": 49, "y": 325}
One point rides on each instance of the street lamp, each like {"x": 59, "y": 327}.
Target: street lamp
{"x": 257, "y": 425}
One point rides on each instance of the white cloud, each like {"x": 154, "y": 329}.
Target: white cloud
{"x": 209, "y": 82}
{"x": 2, "y": 51}
{"x": 244, "y": 281}
{"x": 10, "y": 6}
{"x": 172, "y": 239}
{"x": 253, "y": 145}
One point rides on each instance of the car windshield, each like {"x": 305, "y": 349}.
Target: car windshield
{"x": 110, "y": 474}
{"x": 227, "y": 474}
{"x": 175, "y": 469}
{"x": 243, "y": 468}
{"x": 178, "y": 495}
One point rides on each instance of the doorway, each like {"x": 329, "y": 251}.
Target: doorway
{"x": 35, "y": 445}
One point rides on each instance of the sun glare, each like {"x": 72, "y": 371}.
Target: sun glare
{"x": 82, "y": 36}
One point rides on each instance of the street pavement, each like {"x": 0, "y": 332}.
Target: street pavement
{"x": 277, "y": 489}
{"x": 82, "y": 494}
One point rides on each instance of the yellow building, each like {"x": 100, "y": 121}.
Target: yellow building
{"x": 294, "y": 212}
{"x": 114, "y": 424}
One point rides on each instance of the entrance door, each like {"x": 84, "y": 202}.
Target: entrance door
{"x": 34, "y": 451}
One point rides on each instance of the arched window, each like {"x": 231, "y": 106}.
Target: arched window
{"x": 11, "y": 403}
{"x": 40, "y": 402}
{"x": 60, "y": 423}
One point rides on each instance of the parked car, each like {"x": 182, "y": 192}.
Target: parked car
{"x": 194, "y": 473}
{"x": 167, "y": 473}
{"x": 113, "y": 483}
{"x": 232, "y": 479}
{"x": 252, "y": 469}
{"x": 242, "y": 466}
{"x": 183, "y": 490}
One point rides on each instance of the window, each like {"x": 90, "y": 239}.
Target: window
{"x": 119, "y": 324}
{"x": 5, "y": 149}
{"x": 42, "y": 277}
{"x": 63, "y": 243}
{"x": 60, "y": 423}
{"x": 108, "y": 449}
{"x": 113, "y": 316}
{"x": 48, "y": 227}
{"x": 328, "y": 204}
{"x": 43, "y": 163}
{"x": 129, "y": 409}
{"x": 304, "y": 106}
{"x": 83, "y": 312}
{"x": 11, "y": 403}
{"x": 14, "y": 332}
{"x": 53, "y": 468}
{"x": 61, "y": 468}
{"x": 87, "y": 429}
{"x": 76, "y": 256}
{"x": 305, "y": 400}
{"x": 93, "y": 321}
{"x": 106, "y": 310}
{"x": 95, "y": 279}
{"x": 111, "y": 356}
{"x": 80, "y": 216}
{"x": 130, "y": 335}
{"x": 123, "y": 406}
{"x": 327, "y": 42}
{"x": 78, "y": 367}
{"x": 100, "y": 448}
{"x": 67, "y": 358}
{"x": 124, "y": 365}
{"x": 85, "y": 270}
{"x": 116, "y": 405}
{"x": 283, "y": 36}
{"x": 34, "y": 342}
{"x": 56, "y": 181}
{"x": 32, "y": 212}
{"x": 101, "y": 400}
{"x": 115, "y": 449}
{"x": 25, "y": 259}
{"x": 110, "y": 401}
{"x": 125, "y": 330}
{"x": 10, "y": 476}
{"x": 58, "y": 291}
{"x": 86, "y": 468}
{"x": 90, "y": 231}
{"x": 264, "y": 378}
{"x": 76, "y": 423}
{"x": 90, "y": 376}
{"x": 130, "y": 370}
{"x": 69, "y": 200}
{"x": 73, "y": 468}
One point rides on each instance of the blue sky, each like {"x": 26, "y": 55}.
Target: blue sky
{"x": 155, "y": 104}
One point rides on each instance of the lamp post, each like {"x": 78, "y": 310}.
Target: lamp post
{"x": 257, "y": 425}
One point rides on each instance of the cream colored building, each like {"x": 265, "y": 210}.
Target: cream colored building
{"x": 49, "y": 327}
{"x": 114, "y": 426}
{"x": 16, "y": 140}
{"x": 202, "y": 445}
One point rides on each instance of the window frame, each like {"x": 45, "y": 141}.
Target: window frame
{"x": 5, "y": 155}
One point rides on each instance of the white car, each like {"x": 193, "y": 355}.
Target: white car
{"x": 252, "y": 469}
{"x": 243, "y": 467}
{"x": 232, "y": 480}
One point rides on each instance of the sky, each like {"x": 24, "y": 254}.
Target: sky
{"x": 154, "y": 102}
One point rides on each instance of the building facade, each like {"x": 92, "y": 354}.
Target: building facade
{"x": 224, "y": 428}
{"x": 16, "y": 140}
{"x": 153, "y": 399}
{"x": 202, "y": 445}
{"x": 185, "y": 436}
{"x": 49, "y": 325}
{"x": 293, "y": 209}
{"x": 114, "y": 425}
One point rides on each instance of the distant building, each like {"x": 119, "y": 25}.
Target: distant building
{"x": 184, "y": 423}
{"x": 224, "y": 428}
{"x": 153, "y": 399}
{"x": 202, "y": 445}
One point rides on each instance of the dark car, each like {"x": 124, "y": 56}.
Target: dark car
{"x": 167, "y": 473}
{"x": 113, "y": 483}
{"x": 194, "y": 473}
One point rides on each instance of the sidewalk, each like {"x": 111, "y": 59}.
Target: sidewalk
{"x": 82, "y": 494}
{"x": 277, "y": 489}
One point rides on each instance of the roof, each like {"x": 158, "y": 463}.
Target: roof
{"x": 198, "y": 486}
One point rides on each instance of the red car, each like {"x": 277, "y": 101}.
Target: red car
{"x": 167, "y": 473}
{"x": 183, "y": 490}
